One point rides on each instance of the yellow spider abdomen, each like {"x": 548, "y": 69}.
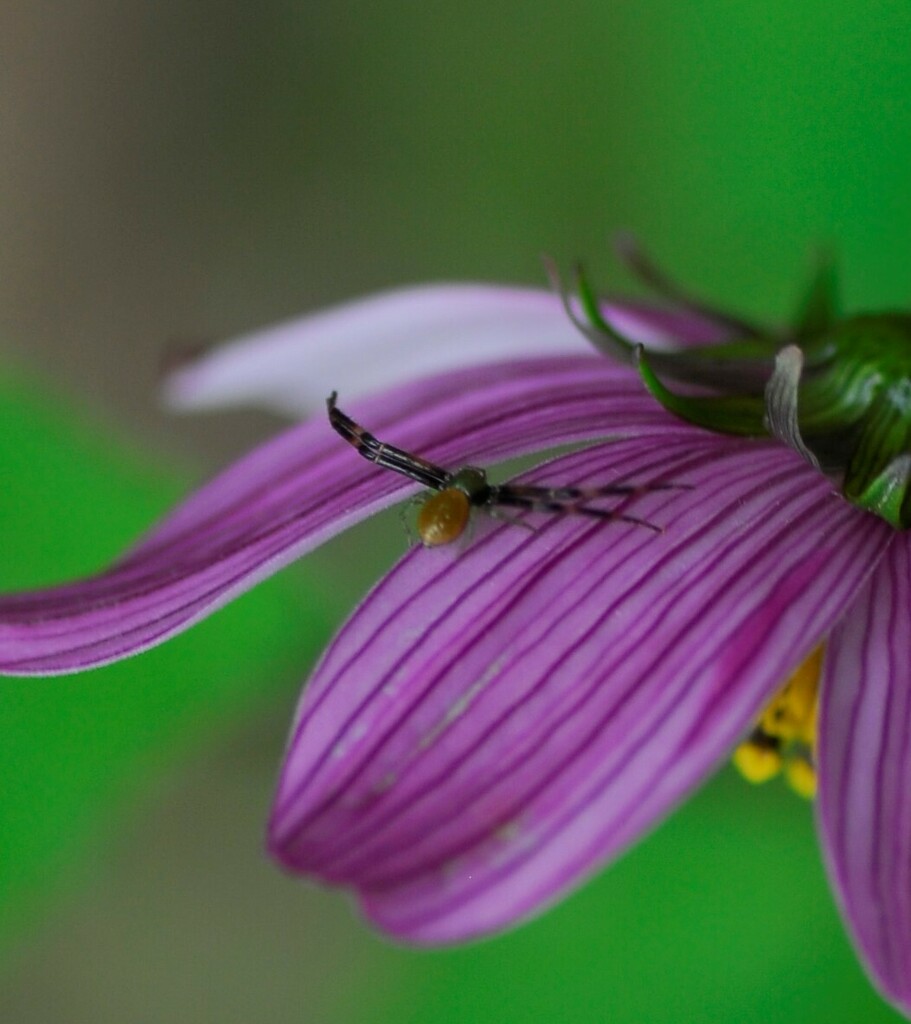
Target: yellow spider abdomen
{"x": 443, "y": 517}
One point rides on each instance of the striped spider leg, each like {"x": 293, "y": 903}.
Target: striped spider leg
{"x": 444, "y": 516}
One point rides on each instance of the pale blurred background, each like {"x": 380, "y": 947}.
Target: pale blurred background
{"x": 173, "y": 173}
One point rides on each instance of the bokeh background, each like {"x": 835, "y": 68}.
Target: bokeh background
{"x": 174, "y": 172}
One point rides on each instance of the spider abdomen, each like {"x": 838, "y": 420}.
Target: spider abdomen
{"x": 443, "y": 517}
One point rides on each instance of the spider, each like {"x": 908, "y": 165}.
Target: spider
{"x": 444, "y": 516}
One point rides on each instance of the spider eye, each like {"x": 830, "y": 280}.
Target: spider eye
{"x": 443, "y": 517}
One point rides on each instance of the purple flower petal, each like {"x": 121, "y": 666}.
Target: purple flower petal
{"x": 488, "y": 729}
{"x": 865, "y": 768}
{"x": 387, "y": 339}
{"x": 302, "y": 488}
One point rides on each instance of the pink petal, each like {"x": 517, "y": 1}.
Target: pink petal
{"x": 302, "y": 488}
{"x": 489, "y": 728}
{"x": 865, "y": 768}
{"x": 387, "y": 339}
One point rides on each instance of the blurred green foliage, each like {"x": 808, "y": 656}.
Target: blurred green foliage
{"x": 76, "y": 751}
{"x": 722, "y": 916}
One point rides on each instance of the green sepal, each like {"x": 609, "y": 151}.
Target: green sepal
{"x": 744, "y": 363}
{"x": 609, "y": 340}
{"x": 879, "y": 470}
{"x": 888, "y": 495}
{"x": 860, "y": 361}
{"x": 846, "y": 408}
{"x": 820, "y": 306}
{"x": 735, "y": 414}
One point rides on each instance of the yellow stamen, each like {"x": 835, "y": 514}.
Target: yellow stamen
{"x": 757, "y": 762}
{"x": 792, "y": 713}
{"x": 801, "y": 776}
{"x": 785, "y": 734}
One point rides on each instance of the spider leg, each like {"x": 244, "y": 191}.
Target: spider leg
{"x": 507, "y": 517}
{"x": 569, "y": 501}
{"x": 612, "y": 513}
{"x": 385, "y": 455}
{"x": 629, "y": 492}
{"x": 405, "y": 515}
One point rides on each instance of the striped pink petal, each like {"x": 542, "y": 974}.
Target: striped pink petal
{"x": 384, "y": 340}
{"x": 864, "y": 772}
{"x": 302, "y": 488}
{"x": 489, "y": 728}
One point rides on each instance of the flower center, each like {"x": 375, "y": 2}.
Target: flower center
{"x": 784, "y": 738}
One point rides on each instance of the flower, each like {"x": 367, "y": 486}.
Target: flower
{"x": 498, "y": 720}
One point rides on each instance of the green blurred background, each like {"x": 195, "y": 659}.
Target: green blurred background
{"x": 173, "y": 172}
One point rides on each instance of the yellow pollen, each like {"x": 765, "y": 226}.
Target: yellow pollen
{"x": 757, "y": 762}
{"x": 785, "y": 733}
{"x": 791, "y": 715}
{"x": 801, "y": 776}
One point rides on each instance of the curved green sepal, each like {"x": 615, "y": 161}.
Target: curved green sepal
{"x": 887, "y": 495}
{"x": 861, "y": 359}
{"x": 820, "y": 307}
{"x": 835, "y": 389}
{"x": 606, "y": 337}
{"x": 742, "y": 415}
{"x": 745, "y": 362}
{"x": 879, "y": 471}
{"x": 742, "y": 365}
{"x": 641, "y": 265}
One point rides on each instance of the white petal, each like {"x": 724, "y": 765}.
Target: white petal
{"x": 395, "y": 337}
{"x": 373, "y": 343}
